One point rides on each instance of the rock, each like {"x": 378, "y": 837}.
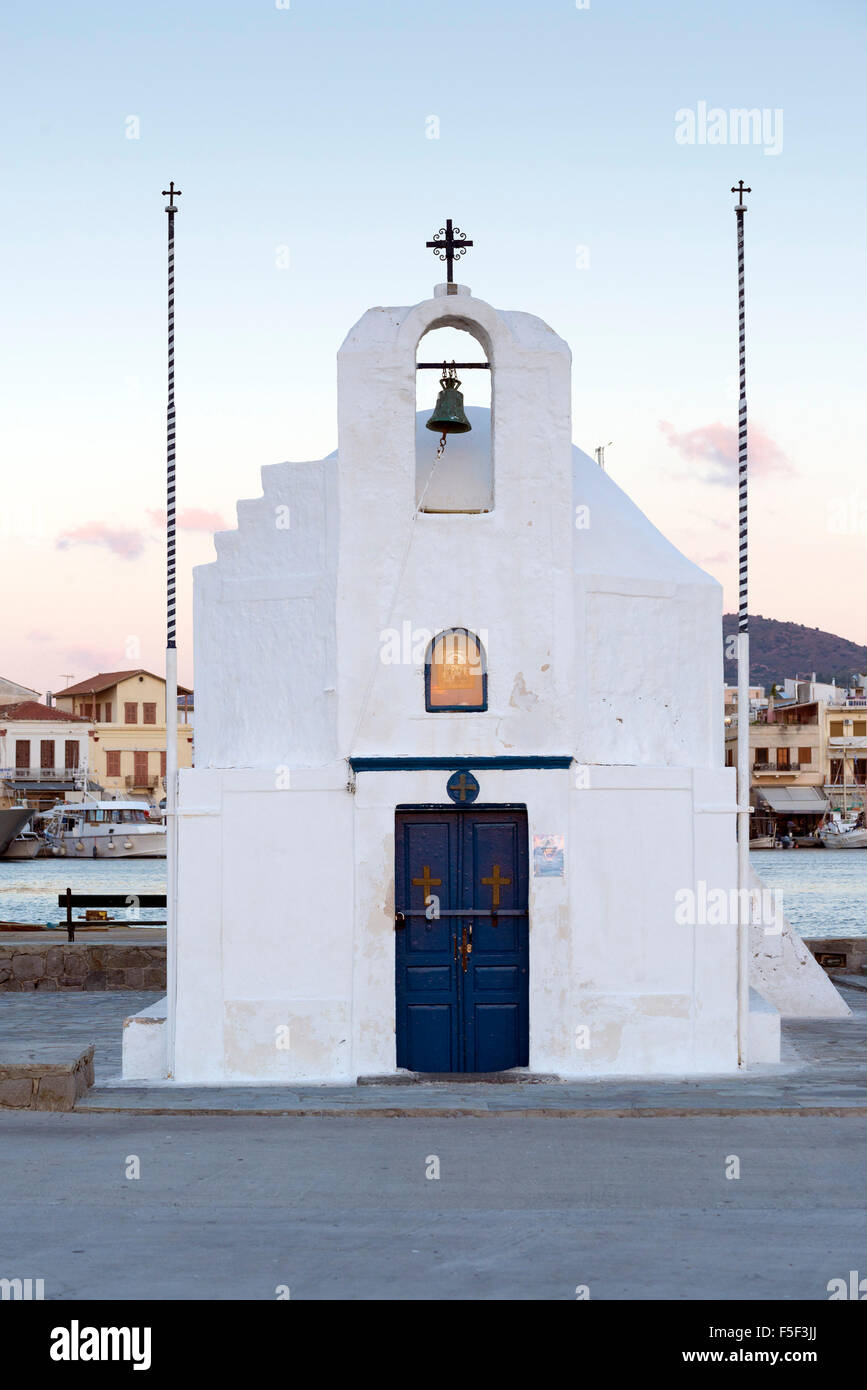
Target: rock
{"x": 57, "y": 1092}
{"x": 17, "y": 1094}
{"x": 74, "y": 963}
{"x": 28, "y": 966}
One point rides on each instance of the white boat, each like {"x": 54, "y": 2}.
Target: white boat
{"x": 12, "y": 821}
{"x": 25, "y": 846}
{"x": 104, "y": 830}
{"x": 842, "y": 835}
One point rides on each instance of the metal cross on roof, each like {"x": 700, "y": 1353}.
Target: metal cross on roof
{"x": 740, "y": 190}
{"x": 451, "y": 241}
{"x": 171, "y": 193}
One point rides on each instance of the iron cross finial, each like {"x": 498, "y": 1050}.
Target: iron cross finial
{"x": 740, "y": 190}
{"x": 451, "y": 241}
{"x": 171, "y": 193}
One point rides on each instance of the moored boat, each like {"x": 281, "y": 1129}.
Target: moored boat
{"x": 25, "y": 846}
{"x": 838, "y": 835}
{"x": 12, "y": 821}
{"x": 104, "y": 830}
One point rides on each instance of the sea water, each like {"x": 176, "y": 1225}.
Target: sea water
{"x": 824, "y": 890}
{"x": 29, "y": 887}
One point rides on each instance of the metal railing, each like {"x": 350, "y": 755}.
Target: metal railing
{"x": 780, "y": 767}
{"x": 41, "y": 774}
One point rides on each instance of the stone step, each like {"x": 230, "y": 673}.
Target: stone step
{"x": 849, "y": 980}
{"x": 50, "y": 1076}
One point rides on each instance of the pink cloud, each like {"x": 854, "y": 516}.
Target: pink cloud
{"x": 120, "y": 540}
{"x": 192, "y": 519}
{"x": 89, "y": 660}
{"x": 716, "y": 446}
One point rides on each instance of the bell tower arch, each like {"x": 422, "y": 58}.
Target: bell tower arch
{"x": 453, "y": 466}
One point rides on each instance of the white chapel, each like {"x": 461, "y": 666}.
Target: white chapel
{"x": 459, "y": 746}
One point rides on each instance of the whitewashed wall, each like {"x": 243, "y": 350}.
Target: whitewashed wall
{"x": 604, "y": 644}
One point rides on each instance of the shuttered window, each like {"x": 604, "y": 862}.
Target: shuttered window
{"x": 71, "y": 753}
{"x": 46, "y": 753}
{"x": 112, "y": 762}
{"x": 22, "y": 753}
{"x": 130, "y": 712}
{"x": 149, "y": 714}
{"x": 805, "y": 755}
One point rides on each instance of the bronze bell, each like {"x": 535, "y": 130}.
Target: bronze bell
{"x": 448, "y": 415}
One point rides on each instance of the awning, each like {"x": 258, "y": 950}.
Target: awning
{"x": 797, "y": 801}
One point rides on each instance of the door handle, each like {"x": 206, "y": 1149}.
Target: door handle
{"x": 399, "y": 921}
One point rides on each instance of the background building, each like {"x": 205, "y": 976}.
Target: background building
{"x": 808, "y": 754}
{"x": 127, "y": 714}
{"x": 44, "y": 753}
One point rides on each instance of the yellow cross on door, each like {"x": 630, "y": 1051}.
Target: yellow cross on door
{"x": 426, "y": 881}
{"x": 495, "y": 883}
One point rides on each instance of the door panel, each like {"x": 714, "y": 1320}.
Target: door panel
{"x": 427, "y": 1020}
{"x": 450, "y": 1018}
{"x": 496, "y": 992}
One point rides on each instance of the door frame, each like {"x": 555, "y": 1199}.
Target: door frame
{"x": 520, "y": 809}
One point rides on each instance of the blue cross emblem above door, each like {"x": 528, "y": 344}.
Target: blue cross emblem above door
{"x": 462, "y": 787}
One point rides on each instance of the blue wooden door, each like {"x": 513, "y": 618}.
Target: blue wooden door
{"x": 461, "y": 936}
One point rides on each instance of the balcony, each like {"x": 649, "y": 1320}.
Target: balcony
{"x": 774, "y": 769}
{"x": 149, "y": 780}
{"x": 42, "y": 774}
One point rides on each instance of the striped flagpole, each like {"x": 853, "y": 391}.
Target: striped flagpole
{"x": 171, "y": 658}
{"x": 743, "y": 658}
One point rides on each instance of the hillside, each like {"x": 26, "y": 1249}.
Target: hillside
{"x": 778, "y": 650}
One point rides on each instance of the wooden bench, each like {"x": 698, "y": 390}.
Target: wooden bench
{"x": 69, "y": 900}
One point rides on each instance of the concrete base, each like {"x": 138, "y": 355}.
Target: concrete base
{"x": 764, "y": 1031}
{"x": 784, "y": 969}
{"x": 144, "y": 1044}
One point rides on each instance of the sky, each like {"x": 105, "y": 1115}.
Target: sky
{"x": 588, "y": 150}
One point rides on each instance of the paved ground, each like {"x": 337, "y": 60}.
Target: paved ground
{"x": 77, "y": 1017}
{"x": 231, "y": 1208}
{"x": 124, "y": 936}
{"x": 824, "y": 1071}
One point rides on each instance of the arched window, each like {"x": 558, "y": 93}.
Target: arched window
{"x": 455, "y": 672}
